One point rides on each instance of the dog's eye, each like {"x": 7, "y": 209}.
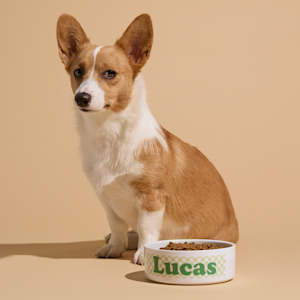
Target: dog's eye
{"x": 109, "y": 74}
{"x": 78, "y": 73}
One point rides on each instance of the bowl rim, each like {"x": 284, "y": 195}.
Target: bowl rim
{"x": 229, "y": 245}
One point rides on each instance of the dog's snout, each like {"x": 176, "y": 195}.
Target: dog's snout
{"x": 83, "y": 99}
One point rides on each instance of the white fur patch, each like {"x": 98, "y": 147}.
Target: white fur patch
{"x": 94, "y": 62}
{"x": 148, "y": 228}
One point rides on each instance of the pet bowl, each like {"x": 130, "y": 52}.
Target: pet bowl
{"x": 190, "y": 266}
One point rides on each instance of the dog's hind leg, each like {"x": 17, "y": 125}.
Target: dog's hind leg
{"x": 133, "y": 239}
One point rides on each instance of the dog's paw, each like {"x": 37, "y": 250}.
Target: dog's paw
{"x": 110, "y": 251}
{"x": 133, "y": 239}
{"x": 139, "y": 257}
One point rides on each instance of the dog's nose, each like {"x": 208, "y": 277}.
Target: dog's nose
{"x": 83, "y": 99}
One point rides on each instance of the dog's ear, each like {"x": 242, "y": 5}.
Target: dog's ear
{"x": 70, "y": 37}
{"x": 136, "y": 41}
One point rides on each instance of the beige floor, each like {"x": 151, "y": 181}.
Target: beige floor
{"x": 69, "y": 271}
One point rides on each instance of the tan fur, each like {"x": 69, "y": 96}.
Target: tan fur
{"x": 70, "y": 38}
{"x": 137, "y": 41}
{"x": 83, "y": 60}
{"x": 117, "y": 91}
{"x": 194, "y": 193}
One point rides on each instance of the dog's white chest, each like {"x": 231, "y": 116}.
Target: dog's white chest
{"x": 105, "y": 157}
{"x": 110, "y": 167}
{"x": 111, "y": 181}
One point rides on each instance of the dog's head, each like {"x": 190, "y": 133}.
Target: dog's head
{"x": 102, "y": 76}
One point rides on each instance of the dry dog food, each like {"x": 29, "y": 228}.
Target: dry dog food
{"x": 190, "y": 246}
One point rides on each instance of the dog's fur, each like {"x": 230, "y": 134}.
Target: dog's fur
{"x": 145, "y": 177}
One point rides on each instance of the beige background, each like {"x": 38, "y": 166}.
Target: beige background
{"x": 223, "y": 76}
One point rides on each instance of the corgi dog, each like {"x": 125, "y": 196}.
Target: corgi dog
{"x": 146, "y": 178}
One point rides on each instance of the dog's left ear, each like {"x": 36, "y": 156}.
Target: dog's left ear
{"x": 136, "y": 42}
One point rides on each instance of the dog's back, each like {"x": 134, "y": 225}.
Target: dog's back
{"x": 196, "y": 199}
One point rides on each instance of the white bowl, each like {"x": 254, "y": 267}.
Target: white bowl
{"x": 190, "y": 266}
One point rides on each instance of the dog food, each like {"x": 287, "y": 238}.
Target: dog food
{"x": 190, "y": 246}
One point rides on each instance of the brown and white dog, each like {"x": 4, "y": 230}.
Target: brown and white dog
{"x": 146, "y": 178}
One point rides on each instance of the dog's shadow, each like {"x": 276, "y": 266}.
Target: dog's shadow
{"x": 58, "y": 250}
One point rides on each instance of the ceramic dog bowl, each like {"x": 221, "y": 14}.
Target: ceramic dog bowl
{"x": 190, "y": 266}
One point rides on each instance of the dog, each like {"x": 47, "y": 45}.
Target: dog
{"x": 146, "y": 178}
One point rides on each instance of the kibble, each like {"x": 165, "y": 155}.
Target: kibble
{"x": 189, "y": 246}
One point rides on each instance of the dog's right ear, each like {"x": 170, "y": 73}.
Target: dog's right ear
{"x": 70, "y": 38}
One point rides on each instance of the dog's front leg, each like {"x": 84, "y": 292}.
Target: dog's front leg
{"x": 119, "y": 240}
{"x": 148, "y": 228}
